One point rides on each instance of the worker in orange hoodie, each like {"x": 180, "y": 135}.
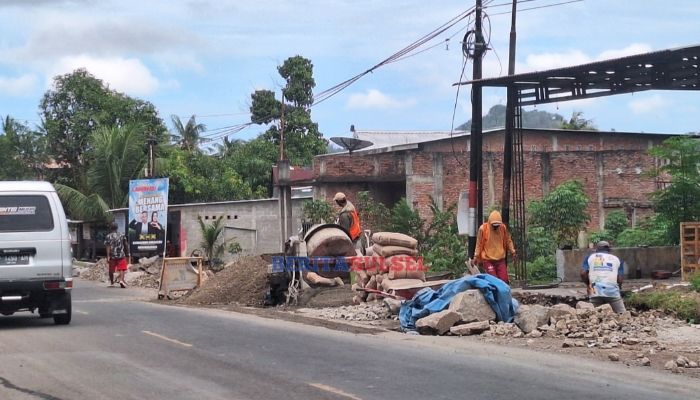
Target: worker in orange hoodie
{"x": 492, "y": 242}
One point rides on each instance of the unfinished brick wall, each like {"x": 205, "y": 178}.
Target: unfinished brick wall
{"x": 611, "y": 167}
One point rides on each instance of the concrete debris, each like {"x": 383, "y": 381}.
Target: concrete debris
{"x": 692, "y": 364}
{"x": 529, "y": 317}
{"x": 614, "y": 357}
{"x": 682, "y": 361}
{"x": 392, "y": 305}
{"x": 361, "y": 313}
{"x": 584, "y": 305}
{"x": 472, "y": 306}
{"x": 471, "y": 328}
{"x": 437, "y": 323}
{"x": 645, "y": 362}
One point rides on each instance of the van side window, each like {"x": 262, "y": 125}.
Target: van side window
{"x": 25, "y": 213}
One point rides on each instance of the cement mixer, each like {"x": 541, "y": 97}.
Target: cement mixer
{"x": 319, "y": 246}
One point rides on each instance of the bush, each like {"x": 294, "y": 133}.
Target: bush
{"x": 685, "y": 307}
{"x": 695, "y": 281}
{"x": 597, "y": 236}
{"x": 615, "y": 222}
{"x": 318, "y": 211}
{"x": 562, "y": 212}
{"x": 373, "y": 214}
{"x": 405, "y": 220}
{"x": 540, "y": 243}
{"x": 443, "y": 249}
{"x": 542, "y": 269}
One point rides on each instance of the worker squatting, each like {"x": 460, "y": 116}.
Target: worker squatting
{"x": 347, "y": 264}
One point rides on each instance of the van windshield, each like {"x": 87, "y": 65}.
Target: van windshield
{"x": 25, "y": 213}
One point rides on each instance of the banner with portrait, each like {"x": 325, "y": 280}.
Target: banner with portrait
{"x": 148, "y": 215}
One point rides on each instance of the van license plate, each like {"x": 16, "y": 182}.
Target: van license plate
{"x": 14, "y": 259}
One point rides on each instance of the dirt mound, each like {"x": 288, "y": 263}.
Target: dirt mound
{"x": 243, "y": 281}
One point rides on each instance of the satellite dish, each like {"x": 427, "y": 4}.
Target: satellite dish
{"x": 351, "y": 144}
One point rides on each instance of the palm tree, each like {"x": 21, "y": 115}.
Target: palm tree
{"x": 188, "y": 135}
{"x": 117, "y": 156}
{"x": 228, "y": 147}
{"x": 210, "y": 238}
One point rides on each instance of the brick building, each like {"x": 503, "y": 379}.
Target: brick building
{"x": 611, "y": 165}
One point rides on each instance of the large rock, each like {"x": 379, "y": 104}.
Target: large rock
{"x": 437, "y": 323}
{"x": 472, "y": 306}
{"x": 529, "y": 317}
{"x": 584, "y": 305}
{"x": 559, "y": 311}
{"x": 472, "y": 328}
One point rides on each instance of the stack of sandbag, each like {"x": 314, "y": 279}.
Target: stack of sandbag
{"x": 400, "y": 256}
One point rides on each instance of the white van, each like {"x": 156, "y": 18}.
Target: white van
{"x": 36, "y": 269}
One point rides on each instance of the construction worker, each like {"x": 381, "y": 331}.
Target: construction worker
{"x": 602, "y": 272}
{"x": 492, "y": 242}
{"x": 348, "y": 217}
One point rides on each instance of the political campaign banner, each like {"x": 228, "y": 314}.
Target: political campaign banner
{"x": 148, "y": 215}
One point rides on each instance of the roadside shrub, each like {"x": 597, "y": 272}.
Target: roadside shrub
{"x": 596, "y": 236}
{"x": 318, "y": 211}
{"x": 542, "y": 269}
{"x": 615, "y": 222}
{"x": 683, "y": 306}
{"x": 405, "y": 220}
{"x": 695, "y": 281}
{"x": 373, "y": 214}
{"x": 443, "y": 249}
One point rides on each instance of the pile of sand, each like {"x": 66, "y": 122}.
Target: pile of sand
{"x": 243, "y": 281}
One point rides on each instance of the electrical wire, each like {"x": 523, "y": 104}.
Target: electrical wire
{"x": 508, "y": 4}
{"x": 454, "y": 112}
{"x": 538, "y": 7}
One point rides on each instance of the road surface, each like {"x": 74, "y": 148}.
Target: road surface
{"x": 122, "y": 347}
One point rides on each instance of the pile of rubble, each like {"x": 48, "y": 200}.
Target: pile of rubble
{"x": 359, "y": 313}
{"x": 145, "y": 273}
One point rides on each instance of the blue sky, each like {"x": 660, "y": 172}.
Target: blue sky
{"x": 205, "y": 57}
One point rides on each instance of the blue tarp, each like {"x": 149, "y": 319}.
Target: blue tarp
{"x": 428, "y": 301}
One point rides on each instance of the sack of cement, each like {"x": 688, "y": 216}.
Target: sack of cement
{"x": 405, "y": 267}
{"x": 375, "y": 265}
{"x": 394, "y": 239}
{"x": 388, "y": 251}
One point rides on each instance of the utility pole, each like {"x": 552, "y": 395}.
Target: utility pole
{"x": 151, "y": 141}
{"x": 284, "y": 188}
{"x": 510, "y": 122}
{"x": 475, "y": 142}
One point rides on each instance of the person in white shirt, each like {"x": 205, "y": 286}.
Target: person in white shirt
{"x": 603, "y": 273}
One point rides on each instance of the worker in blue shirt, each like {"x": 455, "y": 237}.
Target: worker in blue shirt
{"x": 603, "y": 273}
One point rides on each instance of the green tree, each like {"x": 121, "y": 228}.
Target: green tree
{"x": 562, "y": 212}
{"x": 578, "y": 123}
{"x": 405, "y": 220}
{"x": 115, "y": 158}
{"x": 373, "y": 214}
{"x": 22, "y": 151}
{"x": 616, "y": 222}
{"x": 76, "y": 105}
{"x": 302, "y": 140}
{"x": 253, "y": 161}
{"x": 678, "y": 201}
{"x": 318, "y": 212}
{"x": 188, "y": 136}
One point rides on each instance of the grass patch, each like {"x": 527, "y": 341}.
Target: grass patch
{"x": 680, "y": 304}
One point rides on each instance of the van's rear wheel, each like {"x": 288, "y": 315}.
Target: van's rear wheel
{"x": 64, "y": 319}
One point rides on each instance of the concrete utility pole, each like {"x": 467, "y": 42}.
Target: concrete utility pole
{"x": 510, "y": 122}
{"x": 475, "y": 142}
{"x": 151, "y": 141}
{"x": 285, "y": 190}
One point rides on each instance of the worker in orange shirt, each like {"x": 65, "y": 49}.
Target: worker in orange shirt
{"x": 492, "y": 242}
{"x": 348, "y": 217}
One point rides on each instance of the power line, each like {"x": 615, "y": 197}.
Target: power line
{"x": 508, "y": 4}
{"x": 538, "y": 7}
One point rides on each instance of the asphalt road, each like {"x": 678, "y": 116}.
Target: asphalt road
{"x": 121, "y": 347}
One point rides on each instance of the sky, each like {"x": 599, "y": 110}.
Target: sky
{"x": 206, "y": 57}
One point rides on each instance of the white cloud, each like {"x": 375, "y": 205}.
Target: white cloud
{"x": 545, "y": 61}
{"x": 634, "y": 48}
{"x": 128, "y": 75}
{"x": 374, "y": 99}
{"x": 17, "y": 86}
{"x": 646, "y": 105}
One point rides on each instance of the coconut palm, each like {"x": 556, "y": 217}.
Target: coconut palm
{"x": 211, "y": 233}
{"x": 188, "y": 135}
{"x": 117, "y": 156}
{"x": 228, "y": 147}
